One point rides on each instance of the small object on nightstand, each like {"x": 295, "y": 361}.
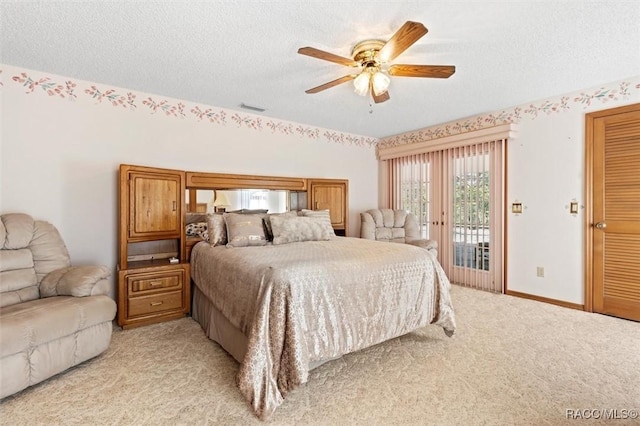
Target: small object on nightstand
{"x": 174, "y": 260}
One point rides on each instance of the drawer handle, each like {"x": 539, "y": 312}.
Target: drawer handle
{"x": 156, "y": 303}
{"x": 155, "y": 283}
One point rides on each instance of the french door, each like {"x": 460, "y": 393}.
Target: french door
{"x": 458, "y": 197}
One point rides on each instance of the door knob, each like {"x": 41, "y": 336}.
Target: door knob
{"x": 601, "y": 225}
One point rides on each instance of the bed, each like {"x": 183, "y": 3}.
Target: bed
{"x": 282, "y": 310}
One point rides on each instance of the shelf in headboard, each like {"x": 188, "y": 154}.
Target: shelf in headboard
{"x": 201, "y": 180}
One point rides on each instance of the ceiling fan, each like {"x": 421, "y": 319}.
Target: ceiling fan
{"x": 372, "y": 57}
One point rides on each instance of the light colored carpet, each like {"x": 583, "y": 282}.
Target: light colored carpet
{"x": 512, "y": 361}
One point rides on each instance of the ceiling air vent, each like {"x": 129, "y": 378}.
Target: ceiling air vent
{"x": 252, "y": 108}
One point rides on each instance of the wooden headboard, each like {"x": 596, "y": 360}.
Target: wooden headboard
{"x": 331, "y": 194}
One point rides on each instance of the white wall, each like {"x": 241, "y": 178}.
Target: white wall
{"x": 546, "y": 169}
{"x": 60, "y": 157}
{"x": 545, "y": 173}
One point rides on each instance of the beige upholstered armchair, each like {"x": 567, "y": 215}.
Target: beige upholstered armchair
{"x": 396, "y": 226}
{"x": 52, "y": 315}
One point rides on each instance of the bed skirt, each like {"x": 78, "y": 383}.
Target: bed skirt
{"x": 221, "y": 331}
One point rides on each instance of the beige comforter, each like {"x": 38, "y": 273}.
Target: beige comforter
{"x": 309, "y": 301}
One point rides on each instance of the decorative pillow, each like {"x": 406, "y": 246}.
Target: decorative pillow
{"x": 323, "y": 215}
{"x": 267, "y": 222}
{"x": 250, "y": 211}
{"x": 255, "y": 211}
{"x": 217, "y": 229}
{"x": 244, "y": 230}
{"x": 193, "y": 217}
{"x": 194, "y": 229}
{"x": 288, "y": 229}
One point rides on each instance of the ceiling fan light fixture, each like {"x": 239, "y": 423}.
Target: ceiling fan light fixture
{"x": 372, "y": 58}
{"x": 361, "y": 83}
{"x": 380, "y": 82}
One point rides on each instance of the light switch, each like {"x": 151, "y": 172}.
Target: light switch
{"x": 573, "y": 207}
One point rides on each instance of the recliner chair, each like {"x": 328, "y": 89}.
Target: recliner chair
{"x": 52, "y": 315}
{"x": 396, "y": 226}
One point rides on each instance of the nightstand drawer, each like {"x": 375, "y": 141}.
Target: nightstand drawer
{"x": 151, "y": 292}
{"x": 148, "y": 282}
{"x": 145, "y": 305}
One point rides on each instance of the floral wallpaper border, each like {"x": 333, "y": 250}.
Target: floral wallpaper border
{"x": 614, "y": 92}
{"x": 70, "y": 90}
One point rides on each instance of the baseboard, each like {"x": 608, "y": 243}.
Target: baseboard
{"x": 546, "y": 300}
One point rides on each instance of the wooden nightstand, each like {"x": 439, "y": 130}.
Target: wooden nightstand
{"x": 152, "y": 291}
{"x": 151, "y": 231}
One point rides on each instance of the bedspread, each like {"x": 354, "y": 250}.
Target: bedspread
{"x": 316, "y": 300}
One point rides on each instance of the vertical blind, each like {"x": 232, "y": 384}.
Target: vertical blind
{"x": 457, "y": 194}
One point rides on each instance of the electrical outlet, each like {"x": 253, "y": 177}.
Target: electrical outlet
{"x": 540, "y": 271}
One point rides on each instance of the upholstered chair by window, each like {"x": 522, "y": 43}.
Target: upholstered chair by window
{"x": 396, "y": 226}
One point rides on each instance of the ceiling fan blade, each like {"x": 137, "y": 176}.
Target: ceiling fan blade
{"x": 408, "y": 34}
{"x": 432, "y": 71}
{"x": 331, "y": 84}
{"x": 321, "y": 54}
{"x": 380, "y": 98}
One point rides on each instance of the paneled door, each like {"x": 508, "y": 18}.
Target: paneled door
{"x": 613, "y": 216}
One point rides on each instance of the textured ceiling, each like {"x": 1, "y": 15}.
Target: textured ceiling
{"x": 224, "y": 53}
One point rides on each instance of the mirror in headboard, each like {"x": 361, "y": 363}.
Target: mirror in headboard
{"x": 274, "y": 193}
{"x": 229, "y": 192}
{"x": 272, "y": 200}
{"x": 199, "y": 202}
